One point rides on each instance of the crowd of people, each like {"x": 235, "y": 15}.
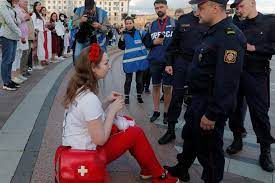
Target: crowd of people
{"x": 30, "y": 40}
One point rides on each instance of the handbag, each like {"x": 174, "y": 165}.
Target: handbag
{"x": 80, "y": 166}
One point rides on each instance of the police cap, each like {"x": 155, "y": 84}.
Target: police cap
{"x": 235, "y": 3}
{"x": 204, "y": 1}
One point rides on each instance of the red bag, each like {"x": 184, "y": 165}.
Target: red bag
{"x": 79, "y": 166}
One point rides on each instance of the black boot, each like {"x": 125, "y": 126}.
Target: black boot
{"x": 265, "y": 159}
{"x": 179, "y": 171}
{"x": 127, "y": 99}
{"x": 236, "y": 146}
{"x": 139, "y": 99}
{"x": 169, "y": 135}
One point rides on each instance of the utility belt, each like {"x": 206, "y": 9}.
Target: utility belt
{"x": 206, "y": 89}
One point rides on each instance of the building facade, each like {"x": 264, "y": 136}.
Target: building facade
{"x": 115, "y": 9}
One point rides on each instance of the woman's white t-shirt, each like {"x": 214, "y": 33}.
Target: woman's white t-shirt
{"x": 86, "y": 107}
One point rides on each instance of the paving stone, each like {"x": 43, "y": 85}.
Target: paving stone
{"x": 249, "y": 170}
{"x": 8, "y": 162}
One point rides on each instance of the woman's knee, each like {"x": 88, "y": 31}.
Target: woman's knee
{"x": 136, "y": 131}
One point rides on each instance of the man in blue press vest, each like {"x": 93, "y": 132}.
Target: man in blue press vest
{"x": 157, "y": 40}
{"x": 91, "y": 22}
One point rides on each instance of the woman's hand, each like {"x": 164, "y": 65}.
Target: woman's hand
{"x": 113, "y": 96}
{"x": 117, "y": 105}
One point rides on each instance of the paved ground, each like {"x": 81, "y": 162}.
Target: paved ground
{"x": 31, "y": 121}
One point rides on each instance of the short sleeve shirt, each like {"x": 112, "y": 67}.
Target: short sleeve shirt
{"x": 86, "y": 107}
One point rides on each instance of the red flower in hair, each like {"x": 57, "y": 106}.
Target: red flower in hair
{"x": 94, "y": 52}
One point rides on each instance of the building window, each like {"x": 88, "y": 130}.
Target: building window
{"x": 122, "y": 4}
{"x": 65, "y": 7}
{"x": 110, "y": 9}
{"x": 59, "y": 7}
{"x": 53, "y": 2}
{"x": 49, "y": 7}
{"x": 110, "y": 4}
{"x": 53, "y": 7}
{"x": 115, "y": 14}
{"x": 59, "y": 2}
{"x": 122, "y": 9}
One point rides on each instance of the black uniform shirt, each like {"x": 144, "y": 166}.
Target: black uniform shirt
{"x": 260, "y": 32}
{"x": 216, "y": 68}
{"x": 187, "y": 36}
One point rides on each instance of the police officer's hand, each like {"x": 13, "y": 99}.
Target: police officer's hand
{"x": 206, "y": 124}
{"x": 84, "y": 18}
{"x": 169, "y": 70}
{"x": 158, "y": 41}
{"x": 250, "y": 47}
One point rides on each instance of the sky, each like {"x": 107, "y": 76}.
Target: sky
{"x": 146, "y": 6}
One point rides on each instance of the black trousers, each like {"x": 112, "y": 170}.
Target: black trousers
{"x": 254, "y": 88}
{"x": 207, "y": 146}
{"x": 30, "y": 58}
{"x": 179, "y": 82}
{"x": 61, "y": 46}
{"x": 128, "y": 82}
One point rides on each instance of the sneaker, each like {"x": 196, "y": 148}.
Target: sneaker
{"x": 145, "y": 174}
{"x": 155, "y": 116}
{"x": 27, "y": 74}
{"x": 16, "y": 85}
{"x": 29, "y": 69}
{"x": 166, "y": 178}
{"x": 22, "y": 77}
{"x": 9, "y": 87}
{"x": 17, "y": 80}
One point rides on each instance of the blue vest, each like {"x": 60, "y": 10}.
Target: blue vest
{"x": 157, "y": 53}
{"x": 101, "y": 15}
{"x": 135, "y": 53}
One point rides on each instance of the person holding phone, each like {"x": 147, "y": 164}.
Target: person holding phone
{"x": 157, "y": 40}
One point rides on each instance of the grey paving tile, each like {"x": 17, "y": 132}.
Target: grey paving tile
{"x": 13, "y": 141}
{"x": 8, "y": 162}
{"x": 5, "y": 178}
{"x": 249, "y": 170}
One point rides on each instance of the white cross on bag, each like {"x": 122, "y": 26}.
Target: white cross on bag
{"x": 82, "y": 171}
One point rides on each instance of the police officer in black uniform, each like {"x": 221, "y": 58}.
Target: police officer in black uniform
{"x": 260, "y": 34}
{"x": 187, "y": 36}
{"x": 214, "y": 76}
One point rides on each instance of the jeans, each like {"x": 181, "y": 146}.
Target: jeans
{"x": 8, "y": 56}
{"x": 78, "y": 49}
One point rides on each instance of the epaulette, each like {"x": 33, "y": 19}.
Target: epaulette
{"x": 230, "y": 31}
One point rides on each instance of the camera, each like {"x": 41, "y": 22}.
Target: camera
{"x": 86, "y": 31}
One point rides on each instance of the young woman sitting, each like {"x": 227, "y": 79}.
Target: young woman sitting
{"x": 87, "y": 127}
